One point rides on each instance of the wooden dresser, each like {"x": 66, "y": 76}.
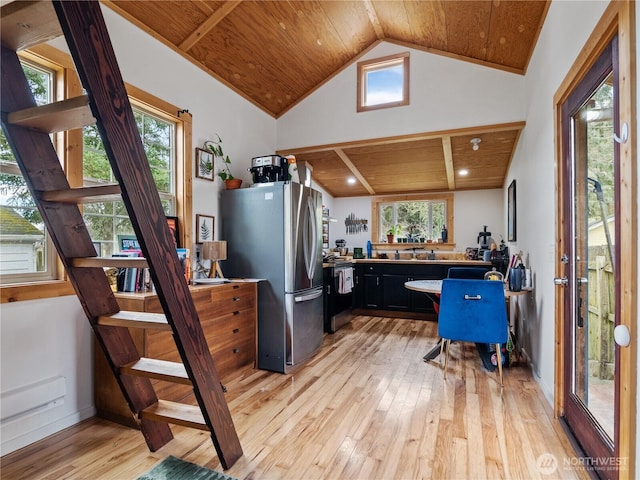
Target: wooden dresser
{"x": 228, "y": 314}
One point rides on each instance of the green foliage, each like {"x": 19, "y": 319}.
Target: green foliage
{"x": 419, "y": 219}
{"x": 215, "y": 146}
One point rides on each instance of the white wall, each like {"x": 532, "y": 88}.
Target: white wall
{"x": 51, "y": 338}
{"x": 442, "y": 97}
{"x": 568, "y": 25}
{"x": 473, "y": 210}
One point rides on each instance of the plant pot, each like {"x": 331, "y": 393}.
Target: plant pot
{"x": 390, "y": 238}
{"x": 233, "y": 183}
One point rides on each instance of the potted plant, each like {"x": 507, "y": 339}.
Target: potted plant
{"x": 394, "y": 230}
{"x": 224, "y": 173}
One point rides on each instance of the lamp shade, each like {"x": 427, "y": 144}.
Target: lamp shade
{"x": 214, "y": 250}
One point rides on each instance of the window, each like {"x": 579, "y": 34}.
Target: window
{"x": 166, "y": 132}
{"x": 383, "y": 82}
{"x": 106, "y": 220}
{"x": 412, "y": 219}
{"x": 26, "y": 254}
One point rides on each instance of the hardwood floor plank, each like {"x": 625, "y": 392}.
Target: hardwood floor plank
{"x": 365, "y": 407}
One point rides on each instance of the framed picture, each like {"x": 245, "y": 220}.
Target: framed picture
{"x": 204, "y": 228}
{"x": 174, "y": 226}
{"x": 204, "y": 164}
{"x": 511, "y": 213}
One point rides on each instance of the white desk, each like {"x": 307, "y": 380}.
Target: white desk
{"x": 435, "y": 286}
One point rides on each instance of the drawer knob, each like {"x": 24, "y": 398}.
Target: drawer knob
{"x": 236, "y": 312}
{"x": 236, "y": 286}
{"x": 236, "y": 330}
{"x": 235, "y": 299}
{"x": 236, "y": 350}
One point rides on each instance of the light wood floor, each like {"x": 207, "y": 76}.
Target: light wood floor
{"x": 366, "y": 407}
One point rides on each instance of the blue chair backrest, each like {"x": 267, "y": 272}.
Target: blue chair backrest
{"x": 473, "y": 311}
{"x": 467, "y": 272}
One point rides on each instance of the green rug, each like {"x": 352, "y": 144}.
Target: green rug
{"x": 172, "y": 468}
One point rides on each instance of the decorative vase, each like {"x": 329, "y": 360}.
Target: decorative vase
{"x": 233, "y": 183}
{"x": 389, "y": 238}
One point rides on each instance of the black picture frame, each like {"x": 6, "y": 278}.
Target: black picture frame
{"x": 174, "y": 226}
{"x": 511, "y": 213}
{"x": 205, "y": 228}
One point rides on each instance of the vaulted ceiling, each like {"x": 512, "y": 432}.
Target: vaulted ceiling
{"x": 256, "y": 47}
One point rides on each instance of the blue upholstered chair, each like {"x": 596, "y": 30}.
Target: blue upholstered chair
{"x": 475, "y": 273}
{"x": 472, "y": 311}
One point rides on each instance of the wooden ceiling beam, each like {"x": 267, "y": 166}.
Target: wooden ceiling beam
{"x": 208, "y": 24}
{"x": 406, "y": 138}
{"x": 373, "y": 18}
{"x": 347, "y": 161}
{"x": 448, "y": 161}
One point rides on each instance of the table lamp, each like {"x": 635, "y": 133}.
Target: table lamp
{"x": 214, "y": 251}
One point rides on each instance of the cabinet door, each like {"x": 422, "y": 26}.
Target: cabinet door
{"x": 395, "y": 296}
{"x": 371, "y": 291}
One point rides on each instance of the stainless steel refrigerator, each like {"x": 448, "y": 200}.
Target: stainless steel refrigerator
{"x": 274, "y": 232}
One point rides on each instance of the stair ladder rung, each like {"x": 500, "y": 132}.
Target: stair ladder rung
{"x": 175, "y": 413}
{"x": 158, "y": 370}
{"x": 25, "y": 24}
{"x": 106, "y": 262}
{"x": 124, "y": 318}
{"x": 55, "y": 117}
{"x": 101, "y": 193}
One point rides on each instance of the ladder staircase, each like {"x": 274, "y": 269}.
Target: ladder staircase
{"x": 27, "y": 128}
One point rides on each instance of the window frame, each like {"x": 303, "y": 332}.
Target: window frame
{"x": 448, "y": 198}
{"x": 51, "y": 262}
{"x": 366, "y": 66}
{"x": 69, "y": 146}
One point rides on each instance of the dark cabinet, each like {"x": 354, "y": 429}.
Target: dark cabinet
{"x": 380, "y": 285}
{"x": 394, "y": 294}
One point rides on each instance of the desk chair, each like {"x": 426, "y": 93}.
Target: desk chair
{"x": 473, "y": 273}
{"x": 472, "y": 311}
{"x": 476, "y": 273}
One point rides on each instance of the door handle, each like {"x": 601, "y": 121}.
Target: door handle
{"x": 622, "y": 336}
{"x": 564, "y": 281}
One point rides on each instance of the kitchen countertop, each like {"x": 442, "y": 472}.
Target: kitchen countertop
{"x": 410, "y": 261}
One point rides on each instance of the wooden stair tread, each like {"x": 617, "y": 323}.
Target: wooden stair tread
{"x": 157, "y": 369}
{"x": 25, "y": 24}
{"x": 55, "y": 117}
{"x": 106, "y": 262}
{"x": 175, "y": 413}
{"x": 124, "y": 318}
{"x": 101, "y": 193}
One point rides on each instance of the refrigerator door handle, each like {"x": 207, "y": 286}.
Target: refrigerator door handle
{"x": 307, "y": 297}
{"x": 310, "y": 245}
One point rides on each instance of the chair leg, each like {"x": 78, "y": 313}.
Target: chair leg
{"x": 499, "y": 358}
{"x": 446, "y": 358}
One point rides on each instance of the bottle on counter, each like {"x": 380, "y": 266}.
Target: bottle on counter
{"x": 397, "y": 255}
{"x": 445, "y": 234}
{"x": 369, "y": 249}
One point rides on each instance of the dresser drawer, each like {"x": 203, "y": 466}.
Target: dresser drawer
{"x": 234, "y": 355}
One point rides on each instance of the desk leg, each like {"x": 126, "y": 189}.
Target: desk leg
{"x": 434, "y": 352}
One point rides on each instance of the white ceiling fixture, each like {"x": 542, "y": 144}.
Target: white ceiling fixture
{"x": 475, "y": 141}
{"x": 463, "y": 173}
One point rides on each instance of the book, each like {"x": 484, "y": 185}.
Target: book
{"x": 185, "y": 261}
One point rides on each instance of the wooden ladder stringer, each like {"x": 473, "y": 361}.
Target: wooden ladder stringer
{"x": 27, "y": 128}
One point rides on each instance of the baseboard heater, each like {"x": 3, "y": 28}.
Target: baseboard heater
{"x": 28, "y": 398}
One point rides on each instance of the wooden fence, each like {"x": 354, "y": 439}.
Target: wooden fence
{"x": 601, "y": 320}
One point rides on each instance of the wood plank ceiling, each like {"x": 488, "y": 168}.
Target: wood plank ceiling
{"x": 252, "y": 46}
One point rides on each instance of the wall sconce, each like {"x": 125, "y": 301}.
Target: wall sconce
{"x": 475, "y": 141}
{"x": 214, "y": 251}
